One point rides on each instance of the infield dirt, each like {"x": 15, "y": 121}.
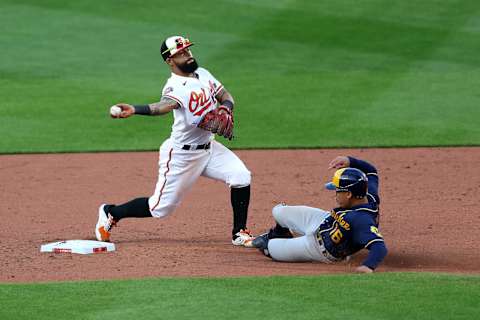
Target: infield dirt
{"x": 429, "y": 213}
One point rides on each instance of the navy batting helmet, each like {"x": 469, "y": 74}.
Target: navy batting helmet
{"x": 349, "y": 179}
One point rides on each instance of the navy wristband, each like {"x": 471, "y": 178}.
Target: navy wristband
{"x": 142, "y": 109}
{"x": 228, "y": 104}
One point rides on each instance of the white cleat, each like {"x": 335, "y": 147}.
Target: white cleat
{"x": 243, "y": 238}
{"x": 104, "y": 225}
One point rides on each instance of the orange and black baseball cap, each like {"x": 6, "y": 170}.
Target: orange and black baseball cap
{"x": 173, "y": 45}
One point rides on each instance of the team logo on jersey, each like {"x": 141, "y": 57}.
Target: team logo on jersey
{"x": 374, "y": 230}
{"x": 168, "y": 90}
{"x": 200, "y": 102}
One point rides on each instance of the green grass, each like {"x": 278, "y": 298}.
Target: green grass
{"x": 303, "y": 73}
{"x": 380, "y": 296}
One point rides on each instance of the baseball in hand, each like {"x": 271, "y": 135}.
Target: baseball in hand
{"x": 115, "y": 111}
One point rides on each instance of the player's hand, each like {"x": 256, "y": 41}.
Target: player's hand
{"x": 219, "y": 121}
{"x": 363, "y": 269}
{"x": 225, "y": 128}
{"x": 127, "y": 110}
{"x": 224, "y": 109}
{"x": 339, "y": 162}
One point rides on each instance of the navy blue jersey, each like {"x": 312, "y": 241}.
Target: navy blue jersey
{"x": 347, "y": 231}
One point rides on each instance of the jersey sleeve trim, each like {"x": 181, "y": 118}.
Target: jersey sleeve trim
{"x": 175, "y": 99}
{"x": 220, "y": 88}
{"x": 368, "y": 210}
{"x": 372, "y": 241}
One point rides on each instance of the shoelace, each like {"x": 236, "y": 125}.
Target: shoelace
{"x": 110, "y": 223}
{"x": 246, "y": 232}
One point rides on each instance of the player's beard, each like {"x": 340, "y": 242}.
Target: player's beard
{"x": 188, "y": 67}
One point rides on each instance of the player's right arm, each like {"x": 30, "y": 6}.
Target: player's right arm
{"x": 371, "y": 172}
{"x": 366, "y": 167}
{"x": 164, "y": 106}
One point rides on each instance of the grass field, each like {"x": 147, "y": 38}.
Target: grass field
{"x": 383, "y": 296}
{"x": 303, "y": 73}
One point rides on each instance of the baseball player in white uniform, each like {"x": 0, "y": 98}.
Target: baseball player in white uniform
{"x": 201, "y": 107}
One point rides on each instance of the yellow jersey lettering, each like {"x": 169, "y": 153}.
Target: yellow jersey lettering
{"x": 345, "y": 225}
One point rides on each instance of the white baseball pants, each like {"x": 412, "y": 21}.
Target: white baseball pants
{"x": 302, "y": 220}
{"x": 179, "y": 169}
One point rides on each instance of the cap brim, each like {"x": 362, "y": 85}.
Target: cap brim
{"x": 330, "y": 186}
{"x": 181, "y": 49}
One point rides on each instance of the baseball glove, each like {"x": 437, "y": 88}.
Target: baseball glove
{"x": 219, "y": 121}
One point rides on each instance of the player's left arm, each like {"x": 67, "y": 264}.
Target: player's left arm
{"x": 367, "y": 235}
{"x": 225, "y": 98}
{"x": 220, "y": 120}
{"x": 376, "y": 253}
{"x": 164, "y": 106}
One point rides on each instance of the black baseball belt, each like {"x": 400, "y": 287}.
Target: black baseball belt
{"x": 205, "y": 146}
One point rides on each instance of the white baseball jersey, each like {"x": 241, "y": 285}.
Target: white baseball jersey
{"x": 196, "y": 97}
{"x": 179, "y": 168}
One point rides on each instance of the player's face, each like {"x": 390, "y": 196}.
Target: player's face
{"x": 185, "y": 61}
{"x": 343, "y": 199}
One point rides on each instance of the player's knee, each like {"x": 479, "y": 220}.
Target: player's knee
{"x": 276, "y": 250}
{"x": 278, "y": 211}
{"x": 240, "y": 179}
